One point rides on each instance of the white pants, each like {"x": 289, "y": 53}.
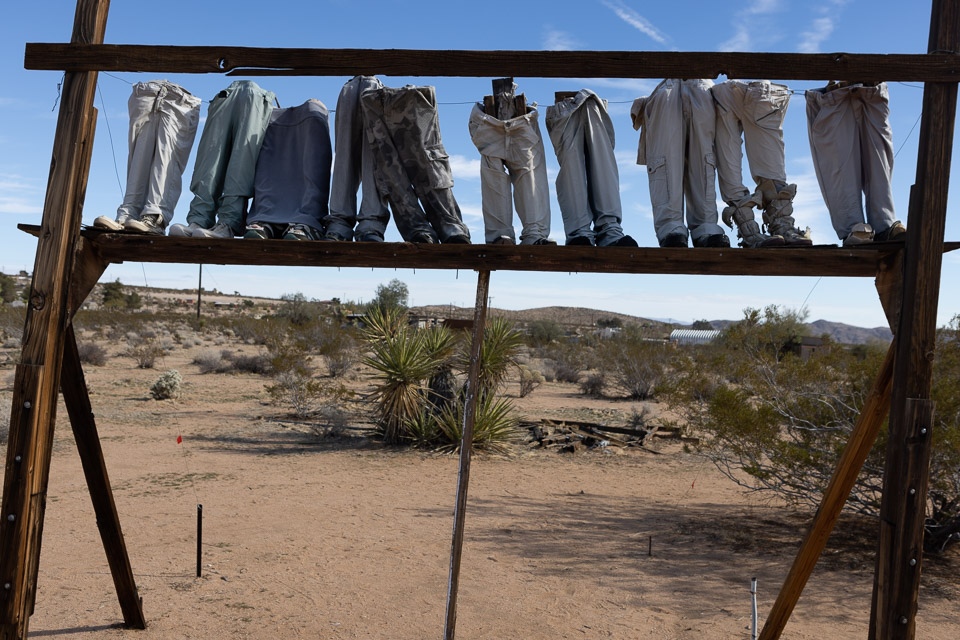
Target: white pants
{"x": 163, "y": 125}
{"x": 588, "y": 184}
{"x": 750, "y": 113}
{"x": 678, "y": 124}
{"x": 511, "y": 154}
{"x": 852, "y": 147}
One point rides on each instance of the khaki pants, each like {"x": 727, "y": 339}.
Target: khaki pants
{"x": 678, "y": 125}
{"x": 163, "y": 125}
{"x": 402, "y": 128}
{"x": 352, "y": 168}
{"x": 852, "y": 147}
{"x": 588, "y": 184}
{"x": 750, "y": 113}
{"x": 227, "y": 155}
{"x": 511, "y": 154}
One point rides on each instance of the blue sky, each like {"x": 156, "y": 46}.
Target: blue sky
{"x": 27, "y": 125}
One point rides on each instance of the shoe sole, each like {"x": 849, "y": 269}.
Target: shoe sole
{"x": 108, "y": 224}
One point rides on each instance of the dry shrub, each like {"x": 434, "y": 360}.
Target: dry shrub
{"x": 145, "y": 353}
{"x": 530, "y": 379}
{"x": 593, "y": 385}
{"x": 93, "y": 354}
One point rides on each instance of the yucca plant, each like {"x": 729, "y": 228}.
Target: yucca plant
{"x": 383, "y": 323}
{"x": 422, "y": 430}
{"x": 501, "y": 343}
{"x": 494, "y": 425}
{"x": 440, "y": 343}
{"x": 402, "y": 364}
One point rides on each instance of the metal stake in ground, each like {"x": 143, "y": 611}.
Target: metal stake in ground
{"x": 199, "y": 536}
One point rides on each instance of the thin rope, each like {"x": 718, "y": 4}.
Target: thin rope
{"x": 107, "y": 73}
{"x": 804, "y": 305}
{"x": 908, "y": 134}
{"x": 113, "y": 151}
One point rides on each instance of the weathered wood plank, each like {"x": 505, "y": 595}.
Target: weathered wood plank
{"x": 939, "y": 67}
{"x": 31, "y": 434}
{"x": 906, "y": 471}
{"x": 814, "y": 261}
{"x": 844, "y": 476}
{"x": 77, "y": 401}
{"x": 466, "y": 449}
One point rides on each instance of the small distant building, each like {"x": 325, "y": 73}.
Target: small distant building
{"x": 693, "y": 336}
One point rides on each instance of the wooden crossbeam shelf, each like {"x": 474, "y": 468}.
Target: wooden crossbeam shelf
{"x": 813, "y": 261}
{"x": 935, "y": 67}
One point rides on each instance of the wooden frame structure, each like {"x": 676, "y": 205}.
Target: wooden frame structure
{"x": 69, "y": 263}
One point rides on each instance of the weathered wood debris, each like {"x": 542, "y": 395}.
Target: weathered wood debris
{"x": 574, "y": 436}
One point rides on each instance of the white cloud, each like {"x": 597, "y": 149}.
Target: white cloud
{"x": 750, "y": 28}
{"x": 465, "y": 168}
{"x": 634, "y": 19}
{"x": 812, "y": 38}
{"x": 19, "y": 197}
{"x": 556, "y": 40}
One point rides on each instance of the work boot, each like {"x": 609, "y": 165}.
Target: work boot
{"x": 748, "y": 230}
{"x": 861, "y": 233}
{"x": 778, "y": 213}
{"x": 894, "y": 233}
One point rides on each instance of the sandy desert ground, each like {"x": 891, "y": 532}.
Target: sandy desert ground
{"x": 314, "y": 536}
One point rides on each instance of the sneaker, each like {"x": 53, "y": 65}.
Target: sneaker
{"x": 301, "y": 232}
{"x": 422, "y": 237}
{"x": 545, "y": 242}
{"x": 579, "y": 241}
{"x": 861, "y": 233}
{"x": 369, "y": 237}
{"x": 457, "y": 239}
{"x": 331, "y": 236}
{"x": 218, "y": 230}
{"x": 149, "y": 223}
{"x": 625, "y": 241}
{"x": 713, "y": 241}
{"x": 503, "y": 240}
{"x": 674, "y": 241}
{"x": 109, "y": 224}
{"x": 894, "y": 233}
{"x": 183, "y": 230}
{"x": 263, "y": 231}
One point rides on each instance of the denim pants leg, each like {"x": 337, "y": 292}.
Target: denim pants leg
{"x": 588, "y": 185}
{"x": 227, "y": 155}
{"x": 700, "y": 174}
{"x": 353, "y": 167}
{"x": 852, "y": 148}
{"x": 163, "y": 125}
{"x": 511, "y": 157}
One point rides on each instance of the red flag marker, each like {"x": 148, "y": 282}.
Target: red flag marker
{"x": 179, "y": 439}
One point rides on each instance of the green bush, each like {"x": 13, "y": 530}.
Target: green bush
{"x": 168, "y": 386}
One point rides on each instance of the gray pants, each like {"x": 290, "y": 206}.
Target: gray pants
{"x": 353, "y": 167}
{"x": 852, "y": 147}
{"x": 588, "y": 184}
{"x": 292, "y": 180}
{"x": 227, "y": 155}
{"x": 678, "y": 125}
{"x": 163, "y": 125}
{"x": 511, "y": 154}
{"x": 411, "y": 166}
{"x": 750, "y": 113}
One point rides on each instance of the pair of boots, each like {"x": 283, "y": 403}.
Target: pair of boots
{"x": 777, "y": 205}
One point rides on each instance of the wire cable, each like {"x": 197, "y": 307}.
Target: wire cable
{"x": 103, "y": 110}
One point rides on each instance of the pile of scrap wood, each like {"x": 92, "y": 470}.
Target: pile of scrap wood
{"x": 572, "y": 436}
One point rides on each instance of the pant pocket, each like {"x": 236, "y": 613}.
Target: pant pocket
{"x": 710, "y": 179}
{"x": 659, "y": 190}
{"x": 770, "y": 107}
{"x": 439, "y": 175}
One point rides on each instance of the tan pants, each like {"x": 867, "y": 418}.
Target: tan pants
{"x": 750, "y": 113}
{"x": 852, "y": 147}
{"x": 678, "y": 124}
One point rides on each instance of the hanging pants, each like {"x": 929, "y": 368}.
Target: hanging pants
{"x": 403, "y": 131}
{"x": 588, "y": 184}
{"x": 852, "y": 148}
{"x": 292, "y": 181}
{"x": 678, "y": 124}
{"x": 353, "y": 167}
{"x": 511, "y": 155}
{"x": 227, "y": 155}
{"x": 163, "y": 125}
{"x": 750, "y": 113}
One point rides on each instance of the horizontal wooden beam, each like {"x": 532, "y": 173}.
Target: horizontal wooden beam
{"x": 252, "y": 61}
{"x": 813, "y": 261}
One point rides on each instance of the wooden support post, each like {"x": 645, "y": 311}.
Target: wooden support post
{"x": 906, "y": 472}
{"x": 77, "y": 401}
{"x": 844, "y": 476}
{"x": 466, "y": 449}
{"x": 38, "y": 375}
